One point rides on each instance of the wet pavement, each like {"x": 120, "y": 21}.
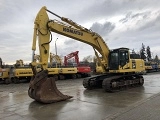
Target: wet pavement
{"x": 95, "y": 104}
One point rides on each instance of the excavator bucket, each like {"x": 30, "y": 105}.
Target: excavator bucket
{"x": 44, "y": 90}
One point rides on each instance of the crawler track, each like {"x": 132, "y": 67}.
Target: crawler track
{"x": 112, "y": 83}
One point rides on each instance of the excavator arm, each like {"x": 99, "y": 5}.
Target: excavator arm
{"x": 42, "y": 88}
{"x": 41, "y": 30}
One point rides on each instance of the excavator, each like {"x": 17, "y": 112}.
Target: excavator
{"x": 58, "y": 72}
{"x": 83, "y": 70}
{"x": 56, "y": 59}
{"x": 4, "y": 73}
{"x": 20, "y": 72}
{"x": 52, "y": 71}
{"x": 71, "y": 55}
{"x": 64, "y": 72}
{"x": 19, "y": 63}
{"x": 120, "y": 70}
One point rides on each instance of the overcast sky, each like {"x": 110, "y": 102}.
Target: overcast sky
{"x": 121, "y": 23}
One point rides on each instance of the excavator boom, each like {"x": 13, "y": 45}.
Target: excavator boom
{"x": 71, "y": 29}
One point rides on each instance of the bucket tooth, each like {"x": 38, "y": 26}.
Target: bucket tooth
{"x": 44, "y": 89}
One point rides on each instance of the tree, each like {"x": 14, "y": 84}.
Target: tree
{"x": 94, "y": 59}
{"x": 133, "y": 52}
{"x": 148, "y": 51}
{"x": 0, "y": 62}
{"x": 156, "y": 59}
{"x": 88, "y": 59}
{"x": 134, "y": 55}
{"x": 142, "y": 52}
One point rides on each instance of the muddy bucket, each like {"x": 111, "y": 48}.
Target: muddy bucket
{"x": 43, "y": 89}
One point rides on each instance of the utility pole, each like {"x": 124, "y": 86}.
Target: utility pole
{"x": 56, "y": 46}
{"x": 56, "y": 49}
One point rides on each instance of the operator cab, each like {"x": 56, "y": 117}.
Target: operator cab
{"x": 118, "y": 57}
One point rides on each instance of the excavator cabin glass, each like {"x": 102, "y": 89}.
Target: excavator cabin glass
{"x": 118, "y": 57}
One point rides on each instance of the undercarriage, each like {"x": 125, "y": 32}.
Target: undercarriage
{"x": 113, "y": 82}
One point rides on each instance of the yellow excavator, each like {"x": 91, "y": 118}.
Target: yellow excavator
{"x": 19, "y": 63}
{"x": 64, "y": 72}
{"x": 52, "y": 71}
{"x": 20, "y": 72}
{"x": 120, "y": 70}
{"x": 56, "y": 59}
{"x": 4, "y": 73}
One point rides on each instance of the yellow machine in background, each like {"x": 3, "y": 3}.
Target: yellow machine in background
{"x": 52, "y": 71}
{"x": 120, "y": 70}
{"x": 64, "y": 73}
{"x": 19, "y": 63}
{"x": 58, "y": 72}
{"x": 21, "y": 72}
{"x": 148, "y": 67}
{"x": 56, "y": 59}
{"x": 151, "y": 66}
{"x": 4, "y": 73}
{"x": 67, "y": 73}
